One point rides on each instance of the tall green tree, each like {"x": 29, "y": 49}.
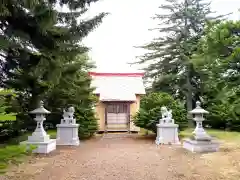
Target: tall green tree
{"x": 38, "y": 41}
{"x": 181, "y": 25}
{"x": 217, "y": 61}
{"x": 74, "y": 89}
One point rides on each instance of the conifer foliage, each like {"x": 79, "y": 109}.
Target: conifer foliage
{"x": 150, "y": 111}
{"x": 41, "y": 52}
{"x": 181, "y": 25}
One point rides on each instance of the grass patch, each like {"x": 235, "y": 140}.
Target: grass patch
{"x": 145, "y": 132}
{"x": 24, "y": 137}
{"x": 220, "y": 134}
{"x": 52, "y": 133}
{"x": 13, "y": 153}
{"x": 229, "y": 136}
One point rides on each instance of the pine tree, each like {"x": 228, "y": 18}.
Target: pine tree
{"x": 217, "y": 59}
{"x": 74, "y": 90}
{"x": 37, "y": 41}
{"x": 169, "y": 56}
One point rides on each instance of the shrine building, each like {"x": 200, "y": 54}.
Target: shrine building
{"x": 118, "y": 99}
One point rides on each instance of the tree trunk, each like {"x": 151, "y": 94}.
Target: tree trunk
{"x": 189, "y": 99}
{"x": 34, "y": 102}
{"x": 188, "y": 69}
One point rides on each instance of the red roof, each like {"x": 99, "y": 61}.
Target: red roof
{"x": 117, "y": 74}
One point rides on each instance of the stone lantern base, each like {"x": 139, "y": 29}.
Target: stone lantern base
{"x": 67, "y": 134}
{"x": 167, "y": 134}
{"x": 44, "y": 147}
{"x": 201, "y": 146}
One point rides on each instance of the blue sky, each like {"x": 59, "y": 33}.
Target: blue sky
{"x": 112, "y": 43}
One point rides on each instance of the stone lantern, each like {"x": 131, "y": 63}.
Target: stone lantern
{"x": 201, "y": 141}
{"x": 198, "y": 113}
{"x": 39, "y": 137}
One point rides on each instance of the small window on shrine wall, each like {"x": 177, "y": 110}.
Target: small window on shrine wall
{"x": 110, "y": 109}
{"x": 122, "y": 108}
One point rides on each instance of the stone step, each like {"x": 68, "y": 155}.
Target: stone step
{"x": 115, "y": 135}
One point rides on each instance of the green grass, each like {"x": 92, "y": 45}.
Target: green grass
{"x": 220, "y": 134}
{"x": 17, "y": 140}
{"x": 13, "y": 153}
{"x": 52, "y": 133}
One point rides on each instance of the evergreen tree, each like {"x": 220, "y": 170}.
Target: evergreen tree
{"x": 74, "y": 90}
{"x": 37, "y": 41}
{"x": 169, "y": 55}
{"x": 217, "y": 61}
{"x": 150, "y": 111}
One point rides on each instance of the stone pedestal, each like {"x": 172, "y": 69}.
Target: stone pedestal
{"x": 67, "y": 131}
{"x": 42, "y": 147}
{"x": 39, "y": 137}
{"x": 67, "y": 134}
{"x": 201, "y": 141}
{"x": 167, "y": 130}
{"x": 201, "y": 146}
{"x": 167, "y": 134}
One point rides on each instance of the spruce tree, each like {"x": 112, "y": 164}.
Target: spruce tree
{"x": 169, "y": 55}
{"x": 37, "y": 41}
{"x": 74, "y": 89}
{"x": 38, "y": 38}
{"x": 217, "y": 59}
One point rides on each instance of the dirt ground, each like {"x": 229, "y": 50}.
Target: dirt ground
{"x": 130, "y": 158}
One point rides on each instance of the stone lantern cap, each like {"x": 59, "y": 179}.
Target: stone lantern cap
{"x": 40, "y": 110}
{"x": 198, "y": 109}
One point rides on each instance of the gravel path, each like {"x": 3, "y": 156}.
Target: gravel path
{"x": 126, "y": 158}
